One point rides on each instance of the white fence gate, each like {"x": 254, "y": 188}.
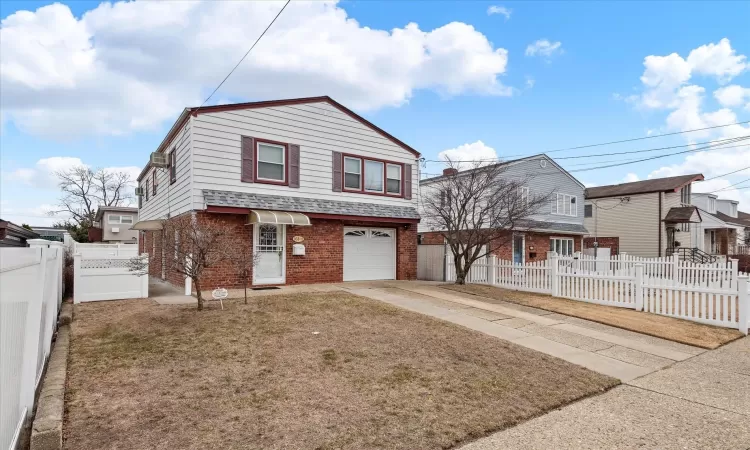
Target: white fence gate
{"x": 106, "y": 278}
{"x": 30, "y": 299}
{"x": 715, "y": 294}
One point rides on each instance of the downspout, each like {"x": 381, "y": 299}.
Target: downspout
{"x": 660, "y": 194}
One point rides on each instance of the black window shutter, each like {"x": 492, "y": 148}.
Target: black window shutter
{"x": 293, "y": 165}
{"x": 248, "y": 154}
{"x": 337, "y": 175}
{"x": 173, "y": 166}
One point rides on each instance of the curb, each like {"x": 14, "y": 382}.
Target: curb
{"x": 46, "y": 431}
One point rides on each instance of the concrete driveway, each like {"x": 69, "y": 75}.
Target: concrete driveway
{"x": 674, "y": 396}
{"x": 622, "y": 354}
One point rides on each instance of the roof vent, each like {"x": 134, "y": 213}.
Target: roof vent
{"x": 450, "y": 171}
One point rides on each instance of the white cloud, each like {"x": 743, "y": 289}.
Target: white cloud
{"x": 733, "y": 95}
{"x": 130, "y": 66}
{"x": 630, "y": 178}
{"x": 494, "y": 9}
{"x": 466, "y": 154}
{"x": 530, "y": 82}
{"x": 34, "y": 215}
{"x": 719, "y": 60}
{"x": 42, "y": 175}
{"x": 545, "y": 48}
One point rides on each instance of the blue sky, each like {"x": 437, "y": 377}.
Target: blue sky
{"x": 103, "y": 83}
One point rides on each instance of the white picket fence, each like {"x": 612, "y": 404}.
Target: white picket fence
{"x": 30, "y": 299}
{"x": 106, "y": 278}
{"x": 104, "y": 250}
{"x": 715, "y": 294}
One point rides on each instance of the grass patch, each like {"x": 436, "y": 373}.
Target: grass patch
{"x": 678, "y": 330}
{"x": 324, "y": 370}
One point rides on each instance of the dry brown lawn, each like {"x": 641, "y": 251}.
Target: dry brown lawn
{"x": 318, "y": 371}
{"x": 678, "y": 330}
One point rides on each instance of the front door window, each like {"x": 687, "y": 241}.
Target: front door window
{"x": 518, "y": 249}
{"x": 269, "y": 246}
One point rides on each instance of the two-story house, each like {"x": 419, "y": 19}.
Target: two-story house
{"x": 112, "y": 225}
{"x": 722, "y": 231}
{"x": 323, "y": 194}
{"x": 648, "y": 218}
{"x": 557, "y": 226}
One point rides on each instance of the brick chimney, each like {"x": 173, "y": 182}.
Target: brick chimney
{"x": 449, "y": 171}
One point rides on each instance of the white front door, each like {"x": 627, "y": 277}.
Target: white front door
{"x": 369, "y": 253}
{"x": 270, "y": 266}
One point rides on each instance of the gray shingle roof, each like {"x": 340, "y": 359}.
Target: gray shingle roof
{"x": 306, "y": 205}
{"x": 642, "y": 187}
{"x": 554, "y": 226}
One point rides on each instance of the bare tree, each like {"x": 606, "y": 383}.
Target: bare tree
{"x": 84, "y": 190}
{"x": 244, "y": 260}
{"x": 478, "y": 210}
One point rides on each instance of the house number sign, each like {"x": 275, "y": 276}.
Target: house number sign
{"x": 298, "y": 239}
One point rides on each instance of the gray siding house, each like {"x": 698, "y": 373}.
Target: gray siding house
{"x": 557, "y": 226}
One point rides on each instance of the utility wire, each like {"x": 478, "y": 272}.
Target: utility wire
{"x": 727, "y": 188}
{"x": 243, "y": 58}
{"x": 725, "y": 174}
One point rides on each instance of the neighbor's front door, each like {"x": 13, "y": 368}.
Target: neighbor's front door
{"x": 518, "y": 247}
{"x": 269, "y": 248}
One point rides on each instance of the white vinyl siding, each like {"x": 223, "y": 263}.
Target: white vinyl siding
{"x": 319, "y": 129}
{"x": 121, "y": 221}
{"x": 171, "y": 199}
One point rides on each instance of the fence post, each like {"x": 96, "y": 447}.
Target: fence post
{"x": 60, "y": 258}
{"x": 33, "y": 335}
{"x": 577, "y": 261}
{"x": 639, "y": 287}
{"x": 491, "y": 264}
{"x": 675, "y": 269}
{"x": 553, "y": 280}
{"x": 744, "y": 304}
{"x": 77, "y": 278}
{"x": 144, "y": 279}
{"x": 735, "y": 271}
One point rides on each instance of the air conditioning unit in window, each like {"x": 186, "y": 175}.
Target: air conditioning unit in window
{"x": 139, "y": 191}
{"x": 116, "y": 229}
{"x": 159, "y": 159}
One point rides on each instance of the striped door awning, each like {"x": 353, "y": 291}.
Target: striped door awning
{"x": 279, "y": 217}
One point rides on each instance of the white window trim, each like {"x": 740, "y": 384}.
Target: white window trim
{"x": 559, "y": 238}
{"x": 361, "y": 180}
{"x": 573, "y": 209}
{"x": 119, "y": 219}
{"x": 523, "y": 193}
{"x": 383, "y": 179}
{"x": 400, "y": 178}
{"x": 283, "y": 162}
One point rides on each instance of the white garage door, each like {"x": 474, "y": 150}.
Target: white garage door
{"x": 369, "y": 253}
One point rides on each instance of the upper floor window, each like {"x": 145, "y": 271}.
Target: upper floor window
{"x": 685, "y": 192}
{"x": 565, "y": 205}
{"x": 711, "y": 205}
{"x": 373, "y": 176}
{"x": 154, "y": 183}
{"x": 588, "y": 210}
{"x": 173, "y": 166}
{"x": 733, "y": 210}
{"x": 523, "y": 195}
{"x": 271, "y": 163}
{"x": 117, "y": 220}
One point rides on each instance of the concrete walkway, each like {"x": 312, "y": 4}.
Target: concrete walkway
{"x": 608, "y": 350}
{"x": 703, "y": 402}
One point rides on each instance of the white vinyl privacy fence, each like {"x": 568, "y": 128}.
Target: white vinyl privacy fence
{"x": 714, "y": 294}
{"x": 30, "y": 299}
{"x": 106, "y": 278}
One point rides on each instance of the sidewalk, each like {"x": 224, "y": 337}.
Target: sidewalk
{"x": 703, "y": 402}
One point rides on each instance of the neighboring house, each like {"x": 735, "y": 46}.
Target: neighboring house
{"x": 558, "y": 227}
{"x": 647, "y": 218}
{"x": 722, "y": 231}
{"x": 50, "y": 233}
{"x": 12, "y": 235}
{"x": 113, "y": 224}
{"x": 307, "y": 172}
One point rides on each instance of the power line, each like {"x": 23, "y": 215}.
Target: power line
{"x": 727, "y": 188}
{"x": 645, "y": 150}
{"x": 243, "y": 58}
{"x": 725, "y": 174}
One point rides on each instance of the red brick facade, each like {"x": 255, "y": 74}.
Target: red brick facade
{"x": 323, "y": 261}
{"x": 537, "y": 244}
{"x": 612, "y": 243}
